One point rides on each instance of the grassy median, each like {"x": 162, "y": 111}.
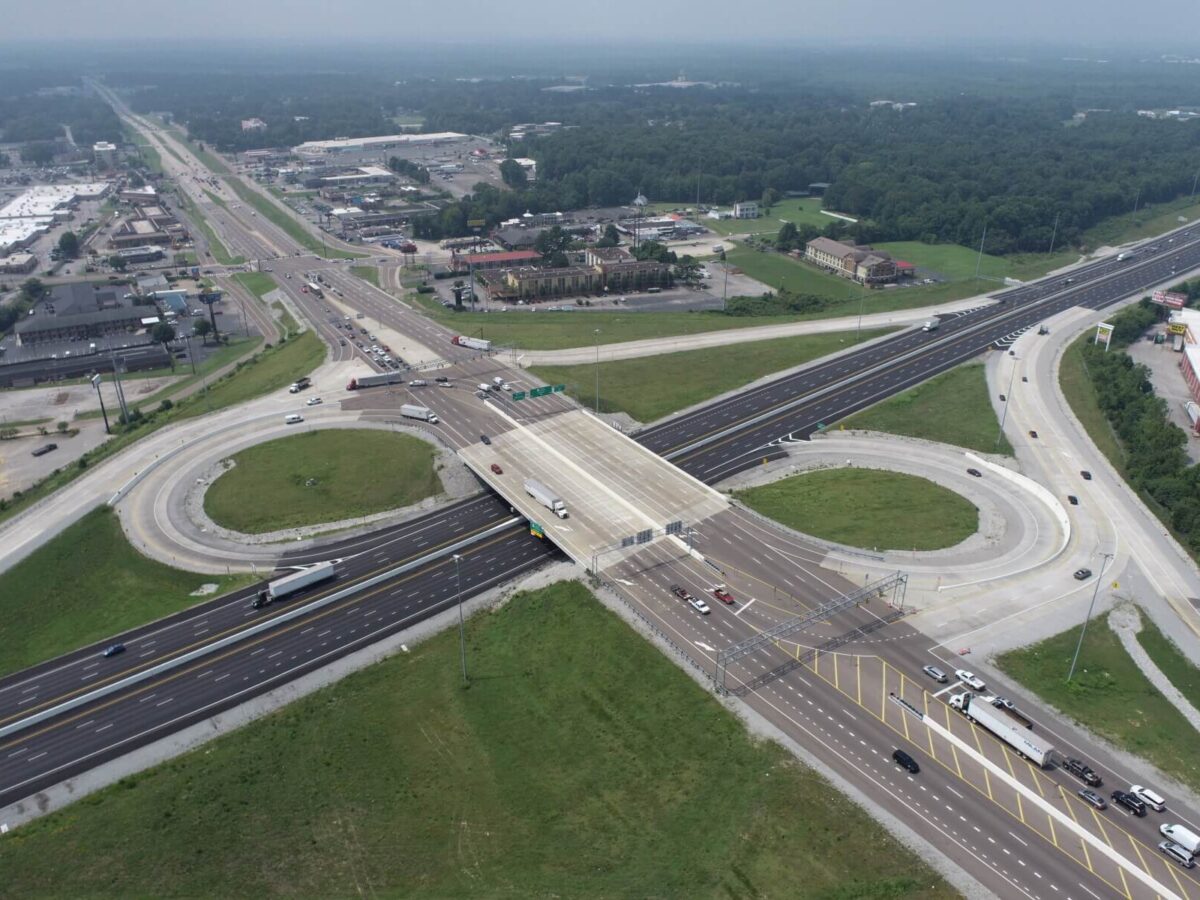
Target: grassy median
{"x": 953, "y": 408}
{"x": 651, "y": 387}
{"x": 321, "y": 476}
{"x": 84, "y": 585}
{"x": 580, "y": 763}
{"x": 867, "y": 508}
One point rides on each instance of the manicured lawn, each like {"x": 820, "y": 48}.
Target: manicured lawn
{"x": 1147, "y": 222}
{"x": 867, "y": 508}
{"x": 284, "y": 220}
{"x": 580, "y": 763}
{"x": 780, "y": 271}
{"x": 321, "y": 476}
{"x": 84, "y": 585}
{"x": 1166, "y": 655}
{"x": 655, "y": 386}
{"x": 1109, "y": 696}
{"x": 1081, "y": 396}
{"x": 952, "y": 408}
{"x": 804, "y": 211}
{"x": 266, "y": 372}
{"x": 367, "y": 273}
{"x": 958, "y": 263}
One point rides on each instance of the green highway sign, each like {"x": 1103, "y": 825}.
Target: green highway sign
{"x": 536, "y": 530}
{"x": 559, "y": 388}
{"x": 518, "y": 395}
{"x": 476, "y": 223}
{"x": 540, "y": 391}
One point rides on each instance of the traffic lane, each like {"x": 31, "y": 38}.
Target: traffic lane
{"x": 699, "y": 636}
{"x": 75, "y": 742}
{"x": 152, "y": 644}
{"x": 1008, "y": 319}
{"x": 994, "y": 841}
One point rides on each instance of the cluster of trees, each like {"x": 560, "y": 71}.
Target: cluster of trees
{"x": 34, "y": 118}
{"x": 1156, "y": 461}
{"x": 32, "y": 290}
{"x": 780, "y": 303}
{"x": 409, "y": 169}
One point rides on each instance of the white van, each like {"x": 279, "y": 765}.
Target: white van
{"x": 293, "y": 419}
{"x": 484, "y": 386}
{"x": 1188, "y": 840}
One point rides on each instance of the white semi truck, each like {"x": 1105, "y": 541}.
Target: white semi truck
{"x": 424, "y": 413}
{"x": 546, "y": 497}
{"x": 982, "y": 713}
{"x": 289, "y": 584}
{"x": 463, "y": 340}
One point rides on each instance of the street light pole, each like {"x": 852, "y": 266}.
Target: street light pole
{"x": 462, "y": 634}
{"x": 1007, "y": 400}
{"x": 1091, "y": 606}
{"x": 597, "y": 343}
{"x": 103, "y": 411}
{"x": 858, "y": 331}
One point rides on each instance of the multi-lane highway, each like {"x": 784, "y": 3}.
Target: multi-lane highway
{"x": 838, "y": 704}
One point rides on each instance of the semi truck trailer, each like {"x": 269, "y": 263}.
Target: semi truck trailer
{"x": 289, "y": 584}
{"x": 473, "y": 343}
{"x": 982, "y": 713}
{"x": 546, "y": 497}
{"x": 424, "y": 413}
{"x": 375, "y": 380}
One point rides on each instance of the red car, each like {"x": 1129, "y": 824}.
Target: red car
{"x": 496, "y": 468}
{"x": 303, "y": 289}
{"x": 723, "y": 595}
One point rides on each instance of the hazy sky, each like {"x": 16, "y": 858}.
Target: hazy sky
{"x": 1174, "y": 22}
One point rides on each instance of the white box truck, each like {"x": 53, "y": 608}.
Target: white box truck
{"x": 546, "y": 497}
{"x": 289, "y": 584}
{"x": 998, "y": 723}
{"x": 424, "y": 413}
{"x": 931, "y": 325}
{"x": 1184, "y": 837}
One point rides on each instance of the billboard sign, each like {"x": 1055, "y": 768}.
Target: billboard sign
{"x": 210, "y": 297}
{"x": 1170, "y": 299}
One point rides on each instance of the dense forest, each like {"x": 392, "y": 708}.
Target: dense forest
{"x": 35, "y": 117}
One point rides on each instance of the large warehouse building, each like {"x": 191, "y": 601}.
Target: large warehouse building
{"x": 381, "y": 142}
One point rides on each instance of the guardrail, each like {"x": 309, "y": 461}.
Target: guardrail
{"x": 266, "y": 625}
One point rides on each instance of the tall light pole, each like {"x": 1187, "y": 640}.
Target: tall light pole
{"x": 597, "y": 342}
{"x": 103, "y": 412}
{"x": 861, "y": 303}
{"x": 1007, "y": 400}
{"x": 462, "y": 633}
{"x": 1091, "y": 606}
{"x": 1054, "y": 233}
{"x": 725, "y": 289}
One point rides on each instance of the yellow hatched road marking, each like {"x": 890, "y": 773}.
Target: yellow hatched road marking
{"x": 858, "y": 673}
{"x": 1037, "y": 782}
{"x": 1070, "y": 808}
{"x": 836, "y": 679}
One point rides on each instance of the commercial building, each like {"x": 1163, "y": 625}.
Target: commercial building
{"x": 530, "y": 284}
{"x": 17, "y": 234}
{"x": 598, "y": 256}
{"x": 859, "y": 263}
{"x": 529, "y": 166}
{"x": 137, "y": 232}
{"x": 18, "y": 264}
{"x": 358, "y": 175}
{"x": 143, "y": 196}
{"x": 54, "y": 201}
{"x": 105, "y": 153}
{"x": 482, "y": 262}
{"x": 381, "y": 142}
{"x": 255, "y": 124}
{"x": 746, "y": 210}
{"x": 144, "y": 253}
{"x": 79, "y": 311}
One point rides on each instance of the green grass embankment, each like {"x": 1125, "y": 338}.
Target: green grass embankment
{"x": 321, "y": 476}
{"x": 867, "y": 508}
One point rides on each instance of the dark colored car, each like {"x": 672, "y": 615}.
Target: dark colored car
{"x": 44, "y": 449}
{"x": 496, "y": 468}
{"x": 1003, "y": 398}
{"x": 975, "y": 472}
{"x": 1092, "y": 798}
{"x": 1087, "y": 476}
{"x": 1130, "y": 802}
{"x": 1083, "y": 574}
{"x": 485, "y": 439}
{"x": 1083, "y": 772}
{"x": 906, "y": 761}
{"x": 1072, "y": 499}
{"x": 114, "y": 650}
{"x": 1033, "y": 434}
{"x": 679, "y": 592}
{"x": 441, "y": 378}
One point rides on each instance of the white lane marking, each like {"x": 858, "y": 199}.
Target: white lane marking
{"x": 1015, "y": 838}
{"x": 745, "y": 606}
{"x": 704, "y": 646}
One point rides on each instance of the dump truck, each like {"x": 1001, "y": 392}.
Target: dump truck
{"x": 424, "y": 413}
{"x": 546, "y": 497}
{"x": 367, "y": 381}
{"x": 983, "y": 714}
{"x": 289, "y": 584}
{"x": 473, "y": 343}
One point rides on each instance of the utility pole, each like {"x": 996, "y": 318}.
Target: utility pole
{"x": 1091, "y": 606}
{"x": 1194, "y": 180}
{"x": 979, "y": 260}
{"x": 1007, "y": 400}
{"x": 725, "y": 289}
{"x": 1137, "y": 200}
{"x": 1054, "y": 233}
{"x": 462, "y": 634}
